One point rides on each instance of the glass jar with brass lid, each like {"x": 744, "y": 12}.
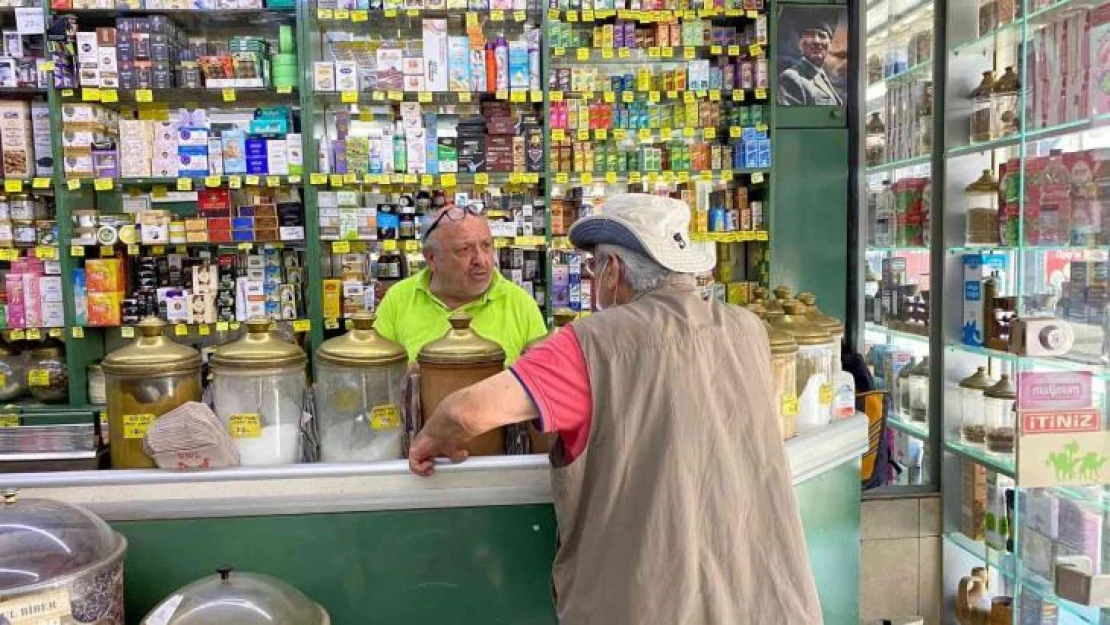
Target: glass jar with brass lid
{"x": 258, "y": 385}
{"x": 832, "y": 325}
{"x": 457, "y": 360}
{"x": 998, "y": 411}
{"x": 973, "y": 425}
{"x": 360, "y": 380}
{"x": 784, "y": 357}
{"x": 13, "y": 373}
{"x": 814, "y": 361}
{"x": 144, "y": 380}
{"x": 981, "y": 206}
{"x": 47, "y": 374}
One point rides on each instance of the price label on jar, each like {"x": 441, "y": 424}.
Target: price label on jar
{"x": 826, "y": 394}
{"x": 302, "y": 325}
{"x": 245, "y": 425}
{"x": 38, "y": 377}
{"x": 135, "y": 426}
{"x": 33, "y": 334}
{"x": 385, "y": 417}
{"x": 789, "y": 406}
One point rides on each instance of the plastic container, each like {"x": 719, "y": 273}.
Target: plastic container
{"x": 240, "y": 598}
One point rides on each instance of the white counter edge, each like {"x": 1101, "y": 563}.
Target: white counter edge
{"x": 355, "y": 487}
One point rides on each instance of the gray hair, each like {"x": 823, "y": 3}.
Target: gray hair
{"x": 641, "y": 272}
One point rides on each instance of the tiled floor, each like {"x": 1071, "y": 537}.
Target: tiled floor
{"x": 900, "y": 559}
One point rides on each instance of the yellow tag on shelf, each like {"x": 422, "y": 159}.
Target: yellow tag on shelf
{"x": 716, "y": 50}
{"x": 245, "y": 425}
{"x": 558, "y": 51}
{"x": 234, "y": 182}
{"x": 252, "y": 181}
{"x": 107, "y": 251}
{"x": 644, "y": 134}
{"x": 757, "y": 177}
{"x": 229, "y": 94}
{"x": 761, "y": 127}
{"x": 601, "y": 134}
{"x": 558, "y": 134}
{"x": 672, "y": 94}
{"x": 40, "y": 183}
{"x": 667, "y": 52}
{"x": 609, "y": 97}
{"x": 502, "y": 94}
{"x": 583, "y": 54}
{"x": 714, "y": 95}
{"x": 391, "y": 12}
{"x": 246, "y": 247}
{"x": 302, "y": 325}
{"x": 9, "y": 254}
{"x": 760, "y": 94}
{"x": 682, "y": 176}
{"x": 135, "y": 426}
{"x": 9, "y": 420}
{"x": 360, "y": 15}
{"x": 519, "y": 16}
{"x": 184, "y": 184}
{"x": 181, "y": 329}
{"x": 738, "y": 95}
{"x": 653, "y": 52}
{"x": 17, "y": 335}
{"x": 325, "y": 14}
{"x": 556, "y": 96}
{"x": 689, "y": 53}
{"x": 337, "y": 180}
{"x": 619, "y": 134}
{"x": 628, "y": 97}
{"x": 413, "y": 12}
{"x": 73, "y": 184}
{"x": 13, "y": 186}
{"x": 553, "y": 15}
{"x": 385, "y": 417}
{"x": 342, "y": 14}
{"x": 789, "y": 405}
{"x": 688, "y": 132}
{"x": 396, "y": 96}
{"x": 378, "y": 96}
{"x": 103, "y": 184}
{"x": 46, "y": 252}
{"x": 562, "y": 177}
{"x": 606, "y": 53}
{"x": 77, "y": 251}
{"x": 273, "y": 181}
{"x": 481, "y": 178}
{"x": 204, "y": 329}
{"x": 109, "y": 95}
{"x": 518, "y": 97}
{"x": 234, "y": 325}
{"x": 349, "y": 97}
{"x": 158, "y": 250}
{"x": 410, "y": 179}
{"x": 583, "y": 134}
{"x": 127, "y": 332}
{"x": 587, "y": 178}
{"x": 133, "y": 250}
{"x": 427, "y": 180}
{"x": 341, "y": 247}
{"x": 211, "y": 181}
{"x": 634, "y": 177}
{"x": 668, "y": 176}
{"x": 710, "y": 133}
{"x": 33, "y": 334}
{"x": 448, "y": 180}
{"x": 331, "y": 324}
{"x": 624, "y": 53}
{"x": 665, "y": 133}
{"x": 610, "y": 177}
{"x": 90, "y": 94}
{"x": 825, "y": 394}
{"x": 424, "y": 97}
{"x": 587, "y": 15}
{"x": 221, "y": 326}
{"x": 572, "y": 16}
{"x": 537, "y": 96}
{"x": 465, "y": 97}
{"x": 752, "y": 14}
{"x": 78, "y": 332}
{"x": 756, "y": 50}
{"x": 516, "y": 178}
{"x": 689, "y": 97}
{"x": 653, "y": 97}
{"x": 734, "y": 50}
{"x": 726, "y": 175}
{"x": 412, "y": 246}
{"x": 735, "y": 132}
{"x": 497, "y": 15}
{"x": 706, "y": 175}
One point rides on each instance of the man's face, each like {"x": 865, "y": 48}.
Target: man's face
{"x": 814, "y": 45}
{"x": 462, "y": 263}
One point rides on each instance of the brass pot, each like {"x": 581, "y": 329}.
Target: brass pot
{"x": 457, "y": 360}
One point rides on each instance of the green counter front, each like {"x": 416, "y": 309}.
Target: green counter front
{"x": 373, "y": 544}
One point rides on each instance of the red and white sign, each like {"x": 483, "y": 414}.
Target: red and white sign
{"x": 1060, "y": 421}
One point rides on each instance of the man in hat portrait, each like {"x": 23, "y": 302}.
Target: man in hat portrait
{"x": 669, "y": 476}
{"x": 806, "y": 83}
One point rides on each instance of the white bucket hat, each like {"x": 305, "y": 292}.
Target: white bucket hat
{"x": 656, "y": 226}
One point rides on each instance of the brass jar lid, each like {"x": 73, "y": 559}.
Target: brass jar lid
{"x": 782, "y": 294}
{"x": 832, "y": 325}
{"x": 1004, "y": 389}
{"x": 461, "y": 346}
{"x": 258, "y": 349}
{"x": 362, "y": 346}
{"x": 986, "y": 183}
{"x": 781, "y": 342}
{"x": 978, "y": 381}
{"x": 794, "y": 322}
{"x": 759, "y": 294}
{"x": 151, "y": 353}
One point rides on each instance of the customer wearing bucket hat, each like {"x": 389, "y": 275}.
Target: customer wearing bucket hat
{"x": 670, "y": 481}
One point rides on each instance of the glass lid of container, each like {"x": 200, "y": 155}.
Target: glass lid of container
{"x": 461, "y": 345}
{"x": 151, "y": 353}
{"x": 239, "y": 598}
{"x": 258, "y": 349}
{"x": 43, "y": 540}
{"x": 362, "y": 346}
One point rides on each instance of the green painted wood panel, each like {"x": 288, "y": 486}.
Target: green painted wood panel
{"x": 404, "y": 567}
{"x": 809, "y": 239}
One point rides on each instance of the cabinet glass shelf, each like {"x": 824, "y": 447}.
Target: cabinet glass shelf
{"x": 1002, "y": 464}
{"x": 916, "y": 429}
{"x": 1036, "y": 135}
{"x": 1097, "y": 369}
{"x": 916, "y": 161}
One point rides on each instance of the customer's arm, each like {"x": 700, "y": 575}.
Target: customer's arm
{"x": 466, "y": 413}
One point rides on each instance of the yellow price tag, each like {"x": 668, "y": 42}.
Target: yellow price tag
{"x": 424, "y": 97}
{"x": 689, "y": 53}
{"x": 273, "y": 181}
{"x": 716, "y": 50}
{"x": 385, "y": 417}
{"x": 583, "y": 54}
{"x": 73, "y": 184}
{"x": 245, "y": 425}
{"x": 644, "y": 134}
{"x": 252, "y": 181}
{"x": 710, "y": 133}
{"x": 537, "y": 96}
{"x": 13, "y": 186}
{"x": 518, "y": 97}
{"x": 107, "y": 251}
{"x": 572, "y": 16}
{"x": 481, "y": 178}
{"x": 502, "y": 94}
{"x": 9, "y": 420}
{"x": 410, "y": 179}
{"x": 562, "y": 177}
{"x": 497, "y": 15}
{"x": 181, "y": 330}
{"x": 726, "y": 175}
{"x": 587, "y": 15}
{"x": 204, "y": 329}
{"x": 634, "y": 177}
{"x": 342, "y": 14}
{"x": 760, "y": 94}
{"x": 653, "y": 97}
{"x": 132, "y": 250}
{"x": 688, "y": 132}
{"x": 33, "y": 334}
{"x": 77, "y": 251}
{"x": 465, "y": 97}
{"x": 666, "y": 52}
{"x": 825, "y": 394}
{"x": 349, "y": 97}
{"x": 583, "y": 134}
{"x": 184, "y": 184}
{"x": 756, "y": 50}
{"x": 325, "y": 14}
{"x": 628, "y": 97}
{"x": 601, "y": 134}
{"x": 360, "y": 15}
{"x": 144, "y": 95}
{"x": 672, "y": 94}
{"x": 558, "y": 51}
{"x": 103, "y": 184}
{"x": 519, "y": 16}
{"x": 653, "y": 52}
{"x": 135, "y": 426}
{"x": 448, "y": 180}
{"x": 624, "y": 53}
{"x": 234, "y": 182}
{"x": 221, "y": 326}
{"x": 665, "y": 133}
{"x": 90, "y": 94}
{"x": 302, "y": 325}
{"x": 587, "y": 178}
{"x": 734, "y": 50}
{"x": 752, "y": 14}
{"x": 757, "y": 177}
{"x": 738, "y": 95}
{"x": 611, "y": 177}
{"x": 714, "y": 95}
{"x": 619, "y": 134}
{"x": 609, "y": 97}
{"x": 246, "y": 247}
{"x": 735, "y": 132}
{"x": 377, "y": 96}
{"x": 127, "y": 332}
{"x": 341, "y": 247}
{"x": 331, "y": 324}
{"x": 412, "y": 13}
{"x": 391, "y": 12}
{"x": 158, "y": 250}
{"x": 46, "y": 252}
{"x": 211, "y": 181}
{"x": 556, "y": 96}
{"x": 40, "y": 183}
{"x": 108, "y": 96}
{"x": 789, "y": 405}
{"x": 395, "y": 96}
{"x": 78, "y": 332}
{"x": 229, "y": 94}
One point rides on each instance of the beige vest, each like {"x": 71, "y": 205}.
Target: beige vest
{"x": 681, "y": 510}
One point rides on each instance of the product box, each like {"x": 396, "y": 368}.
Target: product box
{"x": 977, "y": 268}
{"x": 346, "y": 76}
{"x": 323, "y": 76}
{"x": 104, "y": 275}
{"x": 103, "y": 309}
{"x": 973, "y": 499}
{"x": 332, "y": 298}
{"x": 1097, "y": 65}
{"x": 458, "y": 63}
{"x": 435, "y": 54}
{"x": 389, "y": 72}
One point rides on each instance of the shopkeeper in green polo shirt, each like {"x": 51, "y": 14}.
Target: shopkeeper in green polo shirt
{"x": 461, "y": 275}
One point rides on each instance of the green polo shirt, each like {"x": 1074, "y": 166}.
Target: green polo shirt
{"x": 505, "y": 314}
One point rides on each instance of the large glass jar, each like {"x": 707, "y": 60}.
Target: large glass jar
{"x": 1005, "y": 100}
{"x": 981, "y": 109}
{"x": 47, "y": 374}
{"x": 973, "y": 425}
{"x": 144, "y": 380}
{"x": 59, "y": 563}
{"x": 13, "y": 373}
{"x": 258, "y": 385}
{"x": 359, "y": 393}
{"x": 919, "y": 391}
{"x": 981, "y": 203}
{"x": 784, "y": 356}
{"x": 814, "y": 362}
{"x": 998, "y": 404}
{"x": 832, "y": 325}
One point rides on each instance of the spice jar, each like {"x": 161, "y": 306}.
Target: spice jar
{"x": 13, "y": 373}
{"x": 457, "y": 360}
{"x": 814, "y": 361}
{"x": 98, "y": 391}
{"x": 981, "y": 109}
{"x": 919, "y": 391}
{"x": 258, "y": 385}
{"x": 973, "y": 425}
{"x": 144, "y": 380}
{"x": 1005, "y": 98}
{"x": 784, "y": 357}
{"x": 47, "y": 375}
{"x": 981, "y": 202}
{"x": 998, "y": 411}
{"x": 832, "y": 325}
{"x": 542, "y": 442}
{"x": 359, "y": 393}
